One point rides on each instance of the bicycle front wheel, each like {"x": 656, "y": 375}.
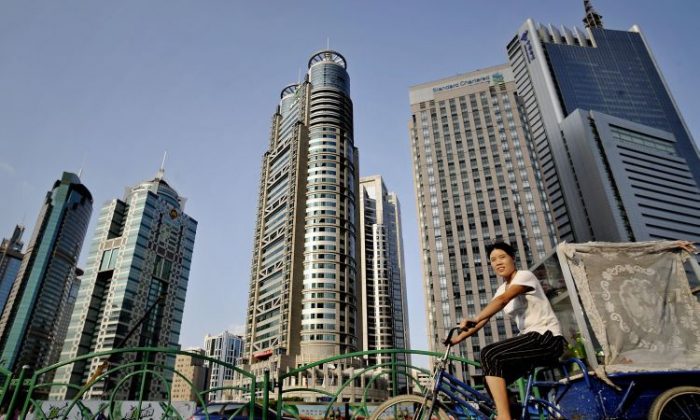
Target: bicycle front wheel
{"x": 407, "y": 407}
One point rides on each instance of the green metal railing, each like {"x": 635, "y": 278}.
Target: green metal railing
{"x": 27, "y": 392}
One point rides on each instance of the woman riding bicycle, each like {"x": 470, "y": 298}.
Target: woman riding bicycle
{"x": 540, "y": 341}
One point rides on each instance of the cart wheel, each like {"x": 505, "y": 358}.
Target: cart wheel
{"x": 681, "y": 402}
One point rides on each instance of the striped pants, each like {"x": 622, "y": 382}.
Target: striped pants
{"x": 515, "y": 357}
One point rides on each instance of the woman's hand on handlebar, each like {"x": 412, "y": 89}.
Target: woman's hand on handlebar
{"x": 468, "y": 328}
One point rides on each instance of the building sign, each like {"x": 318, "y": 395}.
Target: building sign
{"x": 493, "y": 78}
{"x": 497, "y": 78}
{"x": 527, "y": 46}
{"x": 263, "y": 354}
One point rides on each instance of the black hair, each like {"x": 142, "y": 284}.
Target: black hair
{"x": 503, "y": 246}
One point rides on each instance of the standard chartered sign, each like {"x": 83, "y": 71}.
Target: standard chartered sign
{"x": 491, "y": 76}
{"x": 495, "y": 78}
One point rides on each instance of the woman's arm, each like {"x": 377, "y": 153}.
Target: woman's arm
{"x": 497, "y": 304}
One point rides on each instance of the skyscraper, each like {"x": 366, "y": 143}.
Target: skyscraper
{"x": 383, "y": 277}
{"x": 10, "y": 261}
{"x": 636, "y": 187}
{"x": 559, "y": 70}
{"x": 32, "y": 314}
{"x": 66, "y": 314}
{"x": 228, "y": 348}
{"x": 475, "y": 183}
{"x": 303, "y": 302}
{"x": 133, "y": 291}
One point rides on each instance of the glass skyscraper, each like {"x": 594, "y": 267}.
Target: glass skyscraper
{"x": 134, "y": 286}
{"x": 476, "y": 182}
{"x": 559, "y": 70}
{"x": 303, "y": 302}
{"x": 30, "y": 321}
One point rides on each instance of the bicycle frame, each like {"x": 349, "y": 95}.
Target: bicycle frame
{"x": 457, "y": 391}
{"x": 473, "y": 401}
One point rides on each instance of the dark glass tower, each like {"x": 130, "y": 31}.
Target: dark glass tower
{"x": 30, "y": 320}
{"x": 10, "y": 262}
{"x": 560, "y": 70}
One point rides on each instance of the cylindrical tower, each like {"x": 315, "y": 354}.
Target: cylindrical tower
{"x": 329, "y": 302}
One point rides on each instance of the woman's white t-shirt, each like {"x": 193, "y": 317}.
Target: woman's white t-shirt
{"x": 531, "y": 310}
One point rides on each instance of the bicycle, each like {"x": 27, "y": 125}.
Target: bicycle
{"x": 450, "y": 398}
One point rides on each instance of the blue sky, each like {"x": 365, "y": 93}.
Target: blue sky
{"x": 109, "y": 86}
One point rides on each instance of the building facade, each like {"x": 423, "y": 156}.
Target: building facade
{"x": 304, "y": 296}
{"x": 10, "y": 262}
{"x": 637, "y": 186}
{"x": 66, "y": 315}
{"x": 194, "y": 371}
{"x": 383, "y": 279}
{"x": 228, "y": 348}
{"x": 476, "y": 182}
{"x": 559, "y": 70}
{"x": 133, "y": 291}
{"x": 31, "y": 316}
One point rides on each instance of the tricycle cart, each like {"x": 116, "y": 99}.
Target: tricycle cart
{"x": 631, "y": 311}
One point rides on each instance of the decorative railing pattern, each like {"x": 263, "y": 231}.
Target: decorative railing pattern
{"x": 121, "y": 390}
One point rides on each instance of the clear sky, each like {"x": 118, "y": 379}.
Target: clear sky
{"x": 108, "y": 86}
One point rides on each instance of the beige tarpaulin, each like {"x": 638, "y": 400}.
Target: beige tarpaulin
{"x": 639, "y": 304}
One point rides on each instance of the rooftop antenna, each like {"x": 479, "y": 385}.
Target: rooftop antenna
{"x": 82, "y": 164}
{"x": 161, "y": 171}
{"x": 592, "y": 19}
{"x": 328, "y": 43}
{"x": 299, "y": 76}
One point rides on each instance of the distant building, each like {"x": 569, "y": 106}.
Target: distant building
{"x": 383, "y": 277}
{"x": 192, "y": 369}
{"x": 10, "y": 262}
{"x": 38, "y": 298}
{"x": 476, "y": 182}
{"x": 228, "y": 348}
{"x": 133, "y": 291}
{"x": 612, "y": 72}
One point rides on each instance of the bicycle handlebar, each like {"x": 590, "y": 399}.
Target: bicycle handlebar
{"x": 448, "y": 340}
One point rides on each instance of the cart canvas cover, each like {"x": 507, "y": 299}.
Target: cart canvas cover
{"x": 638, "y": 301}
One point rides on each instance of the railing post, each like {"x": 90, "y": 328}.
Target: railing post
{"x": 266, "y": 393}
{"x": 15, "y": 394}
{"x": 280, "y": 399}
{"x": 253, "y": 392}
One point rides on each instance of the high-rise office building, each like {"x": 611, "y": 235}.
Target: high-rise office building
{"x": 383, "y": 277}
{"x": 133, "y": 291}
{"x": 194, "y": 376}
{"x": 38, "y": 297}
{"x": 228, "y": 348}
{"x": 636, "y": 187}
{"x": 10, "y": 261}
{"x": 559, "y": 70}
{"x": 475, "y": 183}
{"x": 303, "y": 302}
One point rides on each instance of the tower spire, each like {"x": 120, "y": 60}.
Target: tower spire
{"x": 161, "y": 171}
{"x": 592, "y": 19}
